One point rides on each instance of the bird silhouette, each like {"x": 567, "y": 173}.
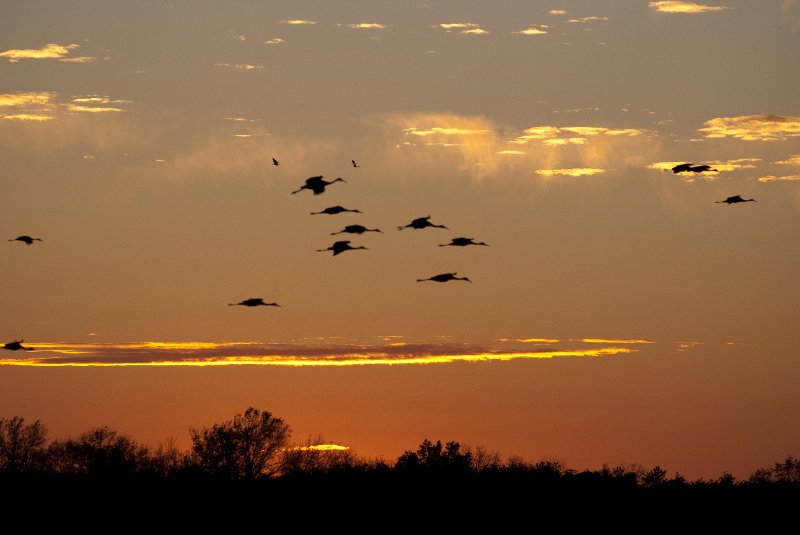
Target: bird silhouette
{"x": 26, "y": 239}
{"x": 444, "y": 277}
{"x": 254, "y": 302}
{"x": 16, "y": 345}
{"x": 333, "y": 210}
{"x": 340, "y": 247}
{"x": 354, "y": 163}
{"x": 461, "y": 242}
{"x": 734, "y": 199}
{"x": 421, "y": 222}
{"x": 693, "y": 168}
{"x": 317, "y": 184}
{"x": 356, "y": 229}
{"x": 275, "y": 162}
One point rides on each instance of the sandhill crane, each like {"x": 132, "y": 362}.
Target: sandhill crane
{"x": 340, "y": 247}
{"x": 16, "y": 345}
{"x": 693, "y": 168}
{"x": 461, "y": 242}
{"x": 354, "y": 163}
{"x": 26, "y": 239}
{"x": 254, "y": 302}
{"x": 444, "y": 277}
{"x": 421, "y": 222}
{"x": 333, "y": 210}
{"x": 356, "y": 229}
{"x": 275, "y": 162}
{"x": 317, "y": 184}
{"x": 734, "y": 199}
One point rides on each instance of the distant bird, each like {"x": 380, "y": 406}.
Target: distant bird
{"x": 333, "y": 210}
{"x": 16, "y": 345}
{"x": 340, "y": 247}
{"x": 693, "y": 168}
{"x": 254, "y": 302}
{"x": 354, "y": 163}
{"x": 444, "y": 277}
{"x": 734, "y": 199}
{"x": 460, "y": 242}
{"x": 317, "y": 184}
{"x": 275, "y": 162}
{"x": 420, "y": 222}
{"x": 356, "y": 229}
{"x": 26, "y": 239}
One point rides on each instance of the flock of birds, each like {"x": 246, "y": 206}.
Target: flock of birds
{"x": 318, "y": 184}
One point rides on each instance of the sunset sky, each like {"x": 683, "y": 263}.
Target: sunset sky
{"x": 620, "y": 313}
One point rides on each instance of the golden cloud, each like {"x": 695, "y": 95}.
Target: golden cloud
{"x": 274, "y": 41}
{"x": 239, "y": 66}
{"x": 791, "y": 160}
{"x": 457, "y": 25}
{"x": 367, "y": 26}
{"x": 583, "y": 20}
{"x": 45, "y": 106}
{"x": 298, "y": 22}
{"x": 574, "y": 171}
{"x": 532, "y": 31}
{"x": 554, "y": 135}
{"x": 475, "y": 31}
{"x": 677, "y": 6}
{"x": 614, "y": 341}
{"x": 49, "y": 51}
{"x": 772, "y": 178}
{"x": 558, "y": 11}
{"x": 28, "y": 117}
{"x": 765, "y": 127}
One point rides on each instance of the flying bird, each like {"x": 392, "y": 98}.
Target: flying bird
{"x": 461, "y": 242}
{"x": 16, "y": 345}
{"x": 354, "y": 163}
{"x": 317, "y": 184}
{"x": 333, "y": 210}
{"x": 26, "y": 239}
{"x": 734, "y": 199}
{"x": 444, "y": 277}
{"x": 275, "y": 162}
{"x": 254, "y": 302}
{"x": 356, "y": 229}
{"x": 693, "y": 168}
{"x": 340, "y": 247}
{"x": 421, "y": 222}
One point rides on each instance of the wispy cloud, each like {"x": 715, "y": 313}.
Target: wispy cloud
{"x": 45, "y": 106}
{"x": 677, "y": 6}
{"x": 614, "y": 341}
{"x": 467, "y": 28}
{"x": 772, "y": 178}
{"x": 298, "y": 22}
{"x": 367, "y": 26}
{"x": 791, "y": 160}
{"x": 717, "y": 167}
{"x": 584, "y": 20}
{"x": 239, "y": 66}
{"x": 267, "y": 354}
{"x": 49, "y": 51}
{"x": 565, "y": 135}
{"x": 537, "y": 29}
{"x": 574, "y": 171}
{"x": 274, "y": 41}
{"x": 765, "y": 127}
{"x": 558, "y": 11}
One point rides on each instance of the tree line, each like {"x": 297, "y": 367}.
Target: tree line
{"x": 255, "y": 446}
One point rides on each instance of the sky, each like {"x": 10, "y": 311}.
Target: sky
{"x": 619, "y": 313}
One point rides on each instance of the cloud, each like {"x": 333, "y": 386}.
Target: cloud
{"x": 274, "y": 41}
{"x": 539, "y": 29}
{"x": 677, "y": 6}
{"x": 79, "y": 59}
{"x": 49, "y": 51}
{"x": 298, "y": 22}
{"x": 718, "y": 166}
{"x": 584, "y": 20}
{"x": 367, "y": 26}
{"x": 46, "y": 106}
{"x": 765, "y": 127}
{"x": 467, "y": 28}
{"x": 239, "y": 66}
{"x": 562, "y": 135}
{"x": 558, "y": 11}
{"x": 614, "y": 341}
{"x": 513, "y": 152}
{"x": 575, "y": 171}
{"x": 269, "y": 354}
{"x": 791, "y": 160}
{"x": 772, "y": 178}
{"x": 475, "y": 31}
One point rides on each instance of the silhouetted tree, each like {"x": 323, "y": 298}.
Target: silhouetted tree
{"x": 788, "y": 471}
{"x": 246, "y": 447}
{"x": 435, "y": 457}
{"x": 100, "y": 451}
{"x": 20, "y": 444}
{"x": 655, "y": 477}
{"x": 166, "y": 459}
{"x": 484, "y": 460}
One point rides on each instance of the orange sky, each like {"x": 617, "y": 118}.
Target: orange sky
{"x": 620, "y": 313}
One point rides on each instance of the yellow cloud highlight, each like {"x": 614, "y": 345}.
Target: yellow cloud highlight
{"x": 791, "y": 160}
{"x": 367, "y": 26}
{"x": 676, "y": 6}
{"x": 298, "y": 22}
{"x": 80, "y": 59}
{"x": 475, "y": 31}
{"x": 556, "y": 136}
{"x": 772, "y": 178}
{"x": 321, "y": 447}
{"x": 239, "y": 66}
{"x": 765, "y": 127}
{"x": 259, "y": 354}
{"x": 274, "y": 41}
{"x": 558, "y": 11}
{"x": 457, "y": 25}
{"x": 584, "y": 20}
{"x": 535, "y": 340}
{"x": 28, "y": 117}
{"x": 531, "y": 31}
{"x": 511, "y": 152}
{"x": 26, "y": 99}
{"x": 49, "y": 51}
{"x": 575, "y": 171}
{"x": 614, "y": 341}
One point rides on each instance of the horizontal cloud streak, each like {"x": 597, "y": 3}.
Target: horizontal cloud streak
{"x": 676, "y": 6}
{"x": 270, "y": 354}
{"x": 765, "y": 127}
{"x": 49, "y": 51}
